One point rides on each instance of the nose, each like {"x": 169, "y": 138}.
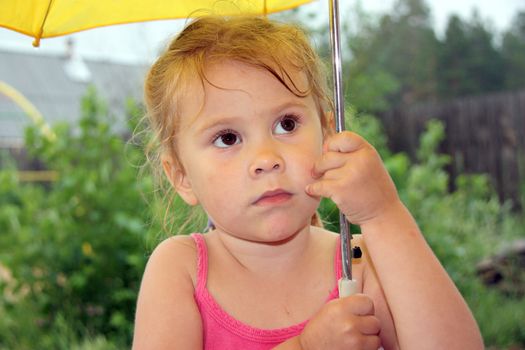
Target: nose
{"x": 267, "y": 160}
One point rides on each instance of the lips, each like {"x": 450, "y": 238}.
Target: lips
{"x": 273, "y": 197}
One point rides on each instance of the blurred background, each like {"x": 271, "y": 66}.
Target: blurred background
{"x": 438, "y": 87}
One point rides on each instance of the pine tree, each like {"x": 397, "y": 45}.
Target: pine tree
{"x": 420, "y": 47}
{"x": 469, "y": 62}
{"x": 513, "y": 52}
{"x": 405, "y": 47}
{"x": 485, "y": 61}
{"x": 452, "y": 72}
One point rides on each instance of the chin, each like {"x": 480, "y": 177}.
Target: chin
{"x": 284, "y": 230}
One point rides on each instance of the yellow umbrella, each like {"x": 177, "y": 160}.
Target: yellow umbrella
{"x": 51, "y": 18}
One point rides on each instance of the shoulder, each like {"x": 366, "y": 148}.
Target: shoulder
{"x": 176, "y": 256}
{"x": 175, "y": 247}
{"x": 167, "y": 315}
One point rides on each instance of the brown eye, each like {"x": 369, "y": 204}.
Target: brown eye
{"x": 229, "y": 139}
{"x": 286, "y": 125}
{"x": 226, "y": 139}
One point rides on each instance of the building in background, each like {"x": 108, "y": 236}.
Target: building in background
{"x": 55, "y": 85}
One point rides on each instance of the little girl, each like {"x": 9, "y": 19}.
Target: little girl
{"x": 242, "y": 115}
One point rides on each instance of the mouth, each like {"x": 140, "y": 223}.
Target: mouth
{"x": 273, "y": 197}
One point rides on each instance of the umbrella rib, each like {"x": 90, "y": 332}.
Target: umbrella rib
{"x": 36, "y": 42}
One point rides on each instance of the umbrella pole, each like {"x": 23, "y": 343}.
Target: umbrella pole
{"x": 347, "y": 286}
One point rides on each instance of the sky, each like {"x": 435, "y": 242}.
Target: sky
{"x": 140, "y": 42}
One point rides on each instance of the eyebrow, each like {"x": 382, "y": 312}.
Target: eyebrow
{"x": 217, "y": 120}
{"x": 287, "y": 105}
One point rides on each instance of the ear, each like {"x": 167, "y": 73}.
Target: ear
{"x": 179, "y": 180}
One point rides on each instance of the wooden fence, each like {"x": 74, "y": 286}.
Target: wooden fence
{"x": 484, "y": 134}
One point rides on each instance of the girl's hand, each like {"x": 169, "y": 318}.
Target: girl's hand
{"x": 346, "y": 323}
{"x": 352, "y": 174}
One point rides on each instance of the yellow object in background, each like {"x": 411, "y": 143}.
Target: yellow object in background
{"x": 31, "y": 111}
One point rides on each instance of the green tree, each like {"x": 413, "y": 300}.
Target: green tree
{"x": 469, "y": 62}
{"x": 513, "y": 52}
{"x": 367, "y": 85}
{"x": 486, "y": 62}
{"x": 401, "y": 52}
{"x": 76, "y": 249}
{"x": 409, "y": 50}
{"x": 453, "y": 77}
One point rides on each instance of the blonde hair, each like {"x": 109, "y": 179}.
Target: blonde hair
{"x": 257, "y": 41}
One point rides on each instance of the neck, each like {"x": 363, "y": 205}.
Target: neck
{"x": 263, "y": 256}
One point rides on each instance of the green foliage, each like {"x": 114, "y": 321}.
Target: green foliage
{"x": 397, "y": 58}
{"x": 469, "y": 61}
{"x": 369, "y": 88}
{"x": 464, "y": 227}
{"x": 74, "y": 248}
{"x": 513, "y": 52}
{"x": 393, "y": 59}
{"x": 72, "y": 252}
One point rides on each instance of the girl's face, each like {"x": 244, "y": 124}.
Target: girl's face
{"x": 247, "y": 146}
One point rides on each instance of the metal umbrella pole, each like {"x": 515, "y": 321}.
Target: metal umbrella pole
{"x": 347, "y": 285}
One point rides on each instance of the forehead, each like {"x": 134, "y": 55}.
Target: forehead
{"x": 221, "y": 81}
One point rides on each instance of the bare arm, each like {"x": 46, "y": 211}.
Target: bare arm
{"x": 427, "y": 308}
{"x": 167, "y": 316}
{"x": 372, "y": 287}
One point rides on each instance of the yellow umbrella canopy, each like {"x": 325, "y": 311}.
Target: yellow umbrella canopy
{"x": 51, "y": 18}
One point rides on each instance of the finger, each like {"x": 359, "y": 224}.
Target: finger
{"x": 345, "y": 142}
{"x": 369, "y": 325}
{"x": 320, "y": 189}
{"x": 360, "y": 304}
{"x": 327, "y": 161}
{"x": 372, "y": 342}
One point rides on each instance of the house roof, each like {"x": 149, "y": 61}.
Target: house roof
{"x": 55, "y": 85}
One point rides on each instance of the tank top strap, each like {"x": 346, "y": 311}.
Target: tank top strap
{"x": 338, "y": 260}
{"x": 202, "y": 260}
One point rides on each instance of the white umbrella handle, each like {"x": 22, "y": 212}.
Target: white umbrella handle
{"x": 347, "y": 287}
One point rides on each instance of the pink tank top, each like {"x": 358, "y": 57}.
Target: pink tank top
{"x": 222, "y": 331}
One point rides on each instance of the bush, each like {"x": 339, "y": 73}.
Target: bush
{"x": 76, "y": 248}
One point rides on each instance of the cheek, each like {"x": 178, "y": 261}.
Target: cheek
{"x": 213, "y": 185}
{"x": 305, "y": 159}
{"x": 312, "y": 148}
